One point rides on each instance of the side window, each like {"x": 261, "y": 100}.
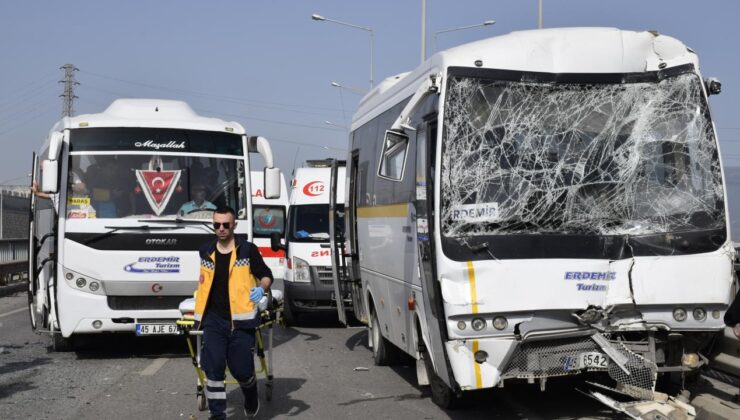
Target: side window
{"x": 393, "y": 156}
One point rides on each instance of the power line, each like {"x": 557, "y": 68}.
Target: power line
{"x": 224, "y": 98}
{"x": 69, "y": 81}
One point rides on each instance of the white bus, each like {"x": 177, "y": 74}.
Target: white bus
{"x": 540, "y": 204}
{"x": 132, "y": 191}
{"x": 268, "y": 217}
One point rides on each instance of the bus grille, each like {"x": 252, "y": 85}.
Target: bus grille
{"x": 547, "y": 358}
{"x": 133, "y": 303}
{"x": 324, "y": 275}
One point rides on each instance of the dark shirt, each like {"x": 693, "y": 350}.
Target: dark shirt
{"x": 218, "y": 298}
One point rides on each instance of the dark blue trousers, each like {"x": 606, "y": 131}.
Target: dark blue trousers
{"x": 223, "y": 347}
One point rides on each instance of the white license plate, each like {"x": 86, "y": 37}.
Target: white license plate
{"x": 157, "y": 329}
{"x": 587, "y": 360}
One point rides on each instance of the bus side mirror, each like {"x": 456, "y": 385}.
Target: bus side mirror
{"x": 272, "y": 183}
{"x": 50, "y": 176}
{"x": 55, "y": 144}
{"x": 275, "y": 243}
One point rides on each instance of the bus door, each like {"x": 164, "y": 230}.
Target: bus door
{"x": 342, "y": 287}
{"x": 426, "y": 136}
{"x": 33, "y": 280}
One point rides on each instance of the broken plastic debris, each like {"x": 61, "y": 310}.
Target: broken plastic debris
{"x": 361, "y": 368}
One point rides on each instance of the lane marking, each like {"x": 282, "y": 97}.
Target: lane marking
{"x": 154, "y": 366}
{"x": 15, "y": 311}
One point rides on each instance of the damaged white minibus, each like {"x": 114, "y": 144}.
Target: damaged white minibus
{"x": 539, "y": 204}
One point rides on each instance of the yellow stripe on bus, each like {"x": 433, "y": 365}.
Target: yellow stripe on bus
{"x": 473, "y": 293}
{"x": 476, "y": 366}
{"x": 391, "y": 210}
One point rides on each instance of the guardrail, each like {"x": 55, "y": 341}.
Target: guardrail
{"x": 13, "y": 260}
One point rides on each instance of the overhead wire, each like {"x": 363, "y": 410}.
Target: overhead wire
{"x": 302, "y": 108}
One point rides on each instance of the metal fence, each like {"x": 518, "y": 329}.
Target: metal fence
{"x": 13, "y": 260}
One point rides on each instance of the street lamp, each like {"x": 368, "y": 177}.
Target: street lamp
{"x": 336, "y": 125}
{"x": 485, "y": 23}
{"x": 320, "y": 18}
{"x": 349, "y": 88}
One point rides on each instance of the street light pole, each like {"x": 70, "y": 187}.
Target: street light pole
{"x": 484, "y": 23}
{"x": 320, "y": 18}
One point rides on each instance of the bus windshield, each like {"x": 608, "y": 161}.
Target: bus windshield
{"x": 310, "y": 222}
{"x": 152, "y": 185}
{"x": 531, "y": 158}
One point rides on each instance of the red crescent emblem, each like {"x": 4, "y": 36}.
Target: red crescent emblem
{"x": 270, "y": 222}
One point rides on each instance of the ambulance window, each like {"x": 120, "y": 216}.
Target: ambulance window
{"x": 268, "y": 220}
{"x": 393, "y": 158}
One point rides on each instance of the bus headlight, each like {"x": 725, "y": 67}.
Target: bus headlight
{"x": 69, "y": 276}
{"x": 94, "y": 286}
{"x": 81, "y": 282}
{"x": 699, "y": 314}
{"x": 679, "y": 314}
{"x": 500, "y": 323}
{"x": 301, "y": 270}
{"x": 461, "y": 325}
{"x": 478, "y": 324}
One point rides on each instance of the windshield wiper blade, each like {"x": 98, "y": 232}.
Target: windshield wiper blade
{"x": 114, "y": 229}
{"x": 483, "y": 246}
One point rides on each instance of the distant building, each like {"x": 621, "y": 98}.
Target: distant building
{"x": 14, "y": 209}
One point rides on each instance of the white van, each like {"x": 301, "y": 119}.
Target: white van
{"x": 308, "y": 280}
{"x": 268, "y": 217}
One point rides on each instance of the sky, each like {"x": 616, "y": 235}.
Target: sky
{"x": 267, "y": 65}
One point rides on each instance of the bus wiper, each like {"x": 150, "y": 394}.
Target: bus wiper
{"x": 113, "y": 229}
{"x": 483, "y": 246}
{"x": 179, "y": 221}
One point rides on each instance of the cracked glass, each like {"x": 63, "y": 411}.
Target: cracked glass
{"x": 571, "y": 158}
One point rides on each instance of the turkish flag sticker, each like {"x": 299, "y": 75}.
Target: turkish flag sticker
{"x": 158, "y": 187}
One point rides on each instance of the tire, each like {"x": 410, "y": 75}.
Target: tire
{"x": 62, "y": 344}
{"x": 442, "y": 395}
{"x": 32, "y": 310}
{"x": 289, "y": 317}
{"x": 202, "y": 402}
{"x": 384, "y": 352}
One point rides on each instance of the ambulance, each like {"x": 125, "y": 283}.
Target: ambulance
{"x": 268, "y": 217}
{"x": 309, "y": 281}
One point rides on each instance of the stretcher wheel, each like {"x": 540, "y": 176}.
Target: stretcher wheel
{"x": 202, "y": 402}
{"x": 268, "y": 391}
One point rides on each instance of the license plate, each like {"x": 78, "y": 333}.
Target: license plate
{"x": 586, "y": 360}
{"x": 157, "y": 329}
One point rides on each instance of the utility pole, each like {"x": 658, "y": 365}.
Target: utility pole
{"x": 423, "y": 31}
{"x": 68, "y": 96}
{"x": 539, "y": 14}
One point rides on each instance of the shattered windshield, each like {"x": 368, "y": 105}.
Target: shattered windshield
{"x": 524, "y": 157}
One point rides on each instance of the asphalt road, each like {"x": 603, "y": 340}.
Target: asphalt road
{"x": 125, "y": 377}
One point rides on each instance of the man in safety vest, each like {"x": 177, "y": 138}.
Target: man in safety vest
{"x": 233, "y": 278}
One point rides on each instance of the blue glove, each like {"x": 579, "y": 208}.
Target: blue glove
{"x": 256, "y": 294}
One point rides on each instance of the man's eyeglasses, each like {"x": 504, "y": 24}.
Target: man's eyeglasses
{"x": 226, "y": 225}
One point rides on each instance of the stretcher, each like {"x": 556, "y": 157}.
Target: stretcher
{"x": 270, "y": 312}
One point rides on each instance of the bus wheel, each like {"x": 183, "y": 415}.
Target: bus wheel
{"x": 442, "y": 395}
{"x": 32, "y": 307}
{"x": 384, "y": 352}
{"x": 60, "y": 343}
